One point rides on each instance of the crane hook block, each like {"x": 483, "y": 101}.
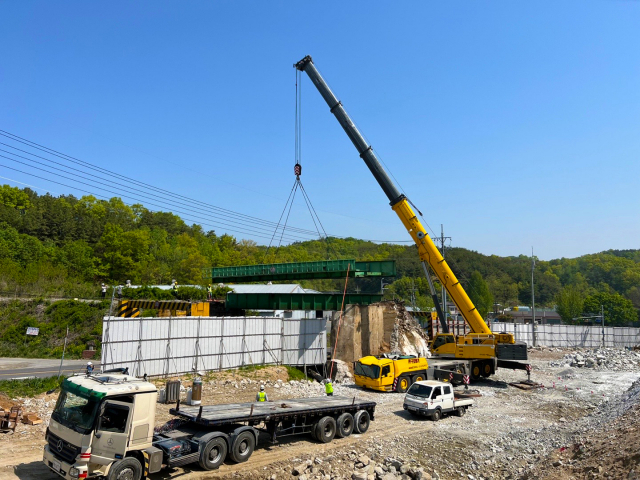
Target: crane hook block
{"x": 297, "y": 169}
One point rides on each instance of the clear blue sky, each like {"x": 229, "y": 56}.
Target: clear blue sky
{"x": 513, "y": 124}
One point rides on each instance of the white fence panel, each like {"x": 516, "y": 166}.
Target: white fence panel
{"x": 177, "y": 345}
{"x": 572, "y": 335}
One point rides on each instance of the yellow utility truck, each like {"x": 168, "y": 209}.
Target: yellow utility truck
{"x": 390, "y": 373}
{"x": 476, "y": 354}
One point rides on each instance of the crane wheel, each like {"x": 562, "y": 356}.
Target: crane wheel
{"x": 417, "y": 378}
{"x": 403, "y": 384}
{"x": 486, "y": 370}
{"x": 475, "y": 371}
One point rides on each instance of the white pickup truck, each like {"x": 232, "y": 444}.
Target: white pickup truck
{"x": 433, "y": 399}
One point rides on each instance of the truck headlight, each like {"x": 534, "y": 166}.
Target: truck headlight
{"x": 74, "y": 472}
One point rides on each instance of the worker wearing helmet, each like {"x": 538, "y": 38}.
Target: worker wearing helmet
{"x": 262, "y": 396}
{"x": 328, "y": 387}
{"x": 89, "y": 368}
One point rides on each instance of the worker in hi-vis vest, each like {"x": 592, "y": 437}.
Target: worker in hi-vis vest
{"x": 328, "y": 387}
{"x": 261, "y": 396}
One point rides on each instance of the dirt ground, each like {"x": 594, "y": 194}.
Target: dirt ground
{"x": 582, "y": 424}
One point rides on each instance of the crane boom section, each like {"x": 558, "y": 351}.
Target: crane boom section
{"x": 429, "y": 253}
{"x": 427, "y": 249}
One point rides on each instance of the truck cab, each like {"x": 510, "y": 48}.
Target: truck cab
{"x": 433, "y": 399}
{"x": 99, "y": 421}
{"x": 390, "y": 372}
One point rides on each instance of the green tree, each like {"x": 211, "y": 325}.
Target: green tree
{"x": 618, "y": 311}
{"x": 570, "y": 303}
{"x": 479, "y": 294}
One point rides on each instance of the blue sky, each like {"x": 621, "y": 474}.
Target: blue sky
{"x": 513, "y": 124}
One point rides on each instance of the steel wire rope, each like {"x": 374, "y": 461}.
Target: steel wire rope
{"x": 77, "y": 161}
{"x": 289, "y": 237}
{"x": 310, "y": 233}
{"x": 264, "y": 258}
{"x": 286, "y": 220}
{"x": 234, "y": 229}
{"x": 170, "y": 206}
{"x": 311, "y": 208}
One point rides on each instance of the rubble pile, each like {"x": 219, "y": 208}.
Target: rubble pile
{"x": 601, "y": 358}
{"x": 407, "y": 337}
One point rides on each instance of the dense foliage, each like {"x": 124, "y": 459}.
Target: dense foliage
{"x": 65, "y": 246}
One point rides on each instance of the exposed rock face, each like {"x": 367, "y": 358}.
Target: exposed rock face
{"x": 384, "y": 327}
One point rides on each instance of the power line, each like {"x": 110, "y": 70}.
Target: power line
{"x": 226, "y": 217}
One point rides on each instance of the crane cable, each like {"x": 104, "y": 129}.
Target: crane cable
{"x": 335, "y": 345}
{"x": 297, "y": 184}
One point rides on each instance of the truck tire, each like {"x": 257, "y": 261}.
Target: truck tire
{"x": 476, "y": 370}
{"x": 403, "y": 384}
{"x": 326, "y": 429}
{"x": 361, "y": 421}
{"x": 460, "y": 411}
{"x": 418, "y": 378}
{"x": 486, "y": 369}
{"x": 344, "y": 425}
{"x": 126, "y": 469}
{"x": 242, "y": 447}
{"x": 436, "y": 415}
{"x": 213, "y": 453}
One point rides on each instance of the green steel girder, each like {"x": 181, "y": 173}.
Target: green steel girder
{"x": 301, "y": 271}
{"x": 297, "y": 301}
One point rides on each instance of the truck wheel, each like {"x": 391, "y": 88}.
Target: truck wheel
{"x": 403, "y": 384}
{"x": 486, "y": 370}
{"x": 361, "y": 421}
{"x": 435, "y": 416}
{"x": 126, "y": 469}
{"x": 475, "y": 371}
{"x": 243, "y": 447}
{"x": 213, "y": 453}
{"x": 326, "y": 429}
{"x": 460, "y": 411}
{"x": 345, "y": 425}
{"x": 417, "y": 378}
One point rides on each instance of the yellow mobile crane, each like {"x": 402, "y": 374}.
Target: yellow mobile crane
{"x": 476, "y": 354}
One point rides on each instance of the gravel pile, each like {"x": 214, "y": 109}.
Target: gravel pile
{"x": 601, "y": 358}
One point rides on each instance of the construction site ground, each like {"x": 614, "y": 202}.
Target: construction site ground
{"x": 583, "y": 424}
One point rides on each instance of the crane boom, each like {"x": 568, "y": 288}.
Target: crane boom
{"x": 427, "y": 250}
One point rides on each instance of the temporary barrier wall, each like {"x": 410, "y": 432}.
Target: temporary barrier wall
{"x": 571, "y": 335}
{"x": 179, "y": 345}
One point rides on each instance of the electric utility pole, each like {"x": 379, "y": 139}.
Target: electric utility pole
{"x": 533, "y": 300}
{"x": 444, "y": 291}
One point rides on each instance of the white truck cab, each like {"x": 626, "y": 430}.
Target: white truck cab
{"x": 96, "y": 421}
{"x": 433, "y": 399}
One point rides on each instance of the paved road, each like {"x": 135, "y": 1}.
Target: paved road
{"x": 20, "y": 368}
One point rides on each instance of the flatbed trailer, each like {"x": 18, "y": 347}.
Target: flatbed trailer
{"x": 210, "y": 434}
{"x": 102, "y": 426}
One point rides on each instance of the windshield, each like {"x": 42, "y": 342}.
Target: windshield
{"x": 371, "y": 371}
{"x": 422, "y": 391}
{"x": 75, "y": 412}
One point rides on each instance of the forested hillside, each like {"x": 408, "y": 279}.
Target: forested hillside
{"x": 65, "y": 246}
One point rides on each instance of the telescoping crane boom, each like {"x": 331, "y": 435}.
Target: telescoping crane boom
{"x": 470, "y": 346}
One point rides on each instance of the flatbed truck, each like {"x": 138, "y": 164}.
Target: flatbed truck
{"x": 103, "y": 426}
